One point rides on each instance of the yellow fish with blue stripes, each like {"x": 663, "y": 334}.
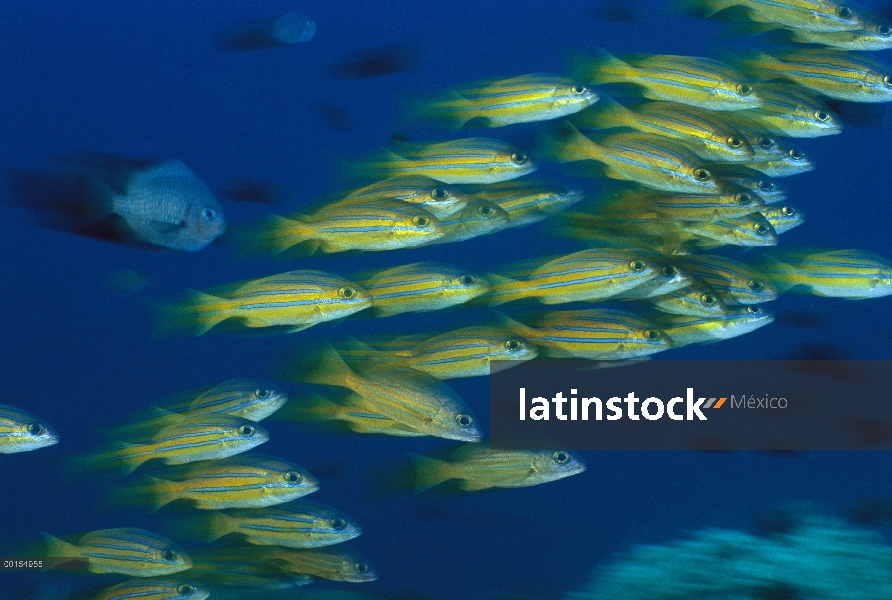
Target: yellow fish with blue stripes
{"x": 789, "y": 110}
{"x": 295, "y": 300}
{"x": 798, "y": 15}
{"x": 500, "y": 102}
{"x": 20, "y": 431}
{"x": 352, "y": 413}
{"x": 188, "y": 440}
{"x": 527, "y": 202}
{"x": 249, "y": 480}
{"x": 738, "y": 321}
{"x": 691, "y": 80}
{"x": 420, "y": 287}
{"x": 471, "y": 160}
{"x": 324, "y": 564}
{"x": 295, "y": 525}
{"x": 381, "y": 224}
{"x": 154, "y": 589}
{"x": 428, "y": 194}
{"x": 734, "y": 281}
{"x": 127, "y": 551}
{"x": 851, "y": 274}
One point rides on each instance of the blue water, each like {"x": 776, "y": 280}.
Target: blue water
{"x": 145, "y": 79}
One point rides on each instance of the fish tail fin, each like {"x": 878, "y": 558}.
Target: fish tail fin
{"x": 332, "y": 370}
{"x": 57, "y": 547}
{"x": 382, "y": 165}
{"x": 603, "y": 67}
{"x": 206, "y": 311}
{"x": 568, "y": 144}
{"x": 158, "y": 495}
{"x": 501, "y": 290}
{"x": 704, "y": 8}
{"x": 451, "y": 110}
{"x": 219, "y": 524}
{"x": 606, "y": 114}
{"x": 778, "y": 272}
{"x": 312, "y": 408}
{"x": 514, "y": 326}
{"x": 428, "y": 472}
{"x": 279, "y": 234}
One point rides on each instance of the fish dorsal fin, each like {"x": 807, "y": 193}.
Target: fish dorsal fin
{"x": 168, "y": 168}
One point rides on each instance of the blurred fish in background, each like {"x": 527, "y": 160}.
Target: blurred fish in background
{"x": 289, "y": 29}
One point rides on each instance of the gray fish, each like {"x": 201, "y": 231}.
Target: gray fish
{"x": 167, "y": 205}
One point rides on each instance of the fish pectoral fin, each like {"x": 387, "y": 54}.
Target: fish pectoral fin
{"x": 471, "y": 485}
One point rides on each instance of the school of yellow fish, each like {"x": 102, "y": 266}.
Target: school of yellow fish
{"x": 693, "y": 166}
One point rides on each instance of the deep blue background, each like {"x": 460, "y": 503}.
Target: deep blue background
{"x": 145, "y": 79}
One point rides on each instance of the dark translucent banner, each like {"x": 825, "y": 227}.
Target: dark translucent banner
{"x": 693, "y": 405}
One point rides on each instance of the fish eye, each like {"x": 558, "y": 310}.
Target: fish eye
{"x": 36, "y": 429}
{"x": 486, "y": 211}
{"x": 735, "y": 142}
{"x": 421, "y": 221}
{"x": 669, "y": 271}
{"x": 788, "y": 211}
{"x": 822, "y": 116}
{"x": 513, "y": 345}
{"x": 753, "y": 310}
{"x": 887, "y": 80}
{"x": 702, "y": 174}
{"x": 263, "y": 393}
{"x": 884, "y": 30}
{"x": 293, "y": 477}
{"x": 185, "y": 590}
{"x": 766, "y": 142}
{"x": 796, "y": 154}
{"x": 766, "y": 186}
{"x": 755, "y": 285}
{"x": 651, "y": 334}
{"x": 708, "y": 299}
{"x": 578, "y": 89}
{"x": 744, "y": 199}
{"x": 464, "y": 420}
{"x": 246, "y": 430}
{"x": 744, "y": 89}
{"x": 519, "y": 158}
{"x": 761, "y": 228}
{"x": 169, "y": 555}
{"x": 347, "y": 292}
{"x": 844, "y": 12}
{"x": 467, "y": 280}
{"x": 361, "y": 568}
{"x": 438, "y": 193}
{"x": 561, "y": 457}
{"x": 209, "y": 214}
{"x": 338, "y": 524}
{"x": 637, "y": 265}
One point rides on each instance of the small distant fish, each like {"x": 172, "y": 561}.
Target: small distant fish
{"x": 21, "y": 431}
{"x": 689, "y": 80}
{"x": 792, "y": 162}
{"x": 325, "y": 564}
{"x": 377, "y": 62}
{"x": 500, "y": 102}
{"x": 335, "y": 115}
{"x": 188, "y": 440}
{"x": 292, "y": 28}
{"x": 477, "y": 467}
{"x": 295, "y": 525}
{"x": 420, "y": 287}
{"x": 255, "y": 190}
{"x": 831, "y": 73}
{"x": 128, "y": 551}
{"x": 739, "y": 320}
{"x": 126, "y": 282}
{"x": 154, "y": 589}
{"x": 296, "y": 300}
{"x": 157, "y": 203}
{"x": 248, "y": 480}
{"x": 471, "y": 160}
{"x": 630, "y": 202}
{"x": 409, "y": 397}
{"x": 852, "y": 274}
